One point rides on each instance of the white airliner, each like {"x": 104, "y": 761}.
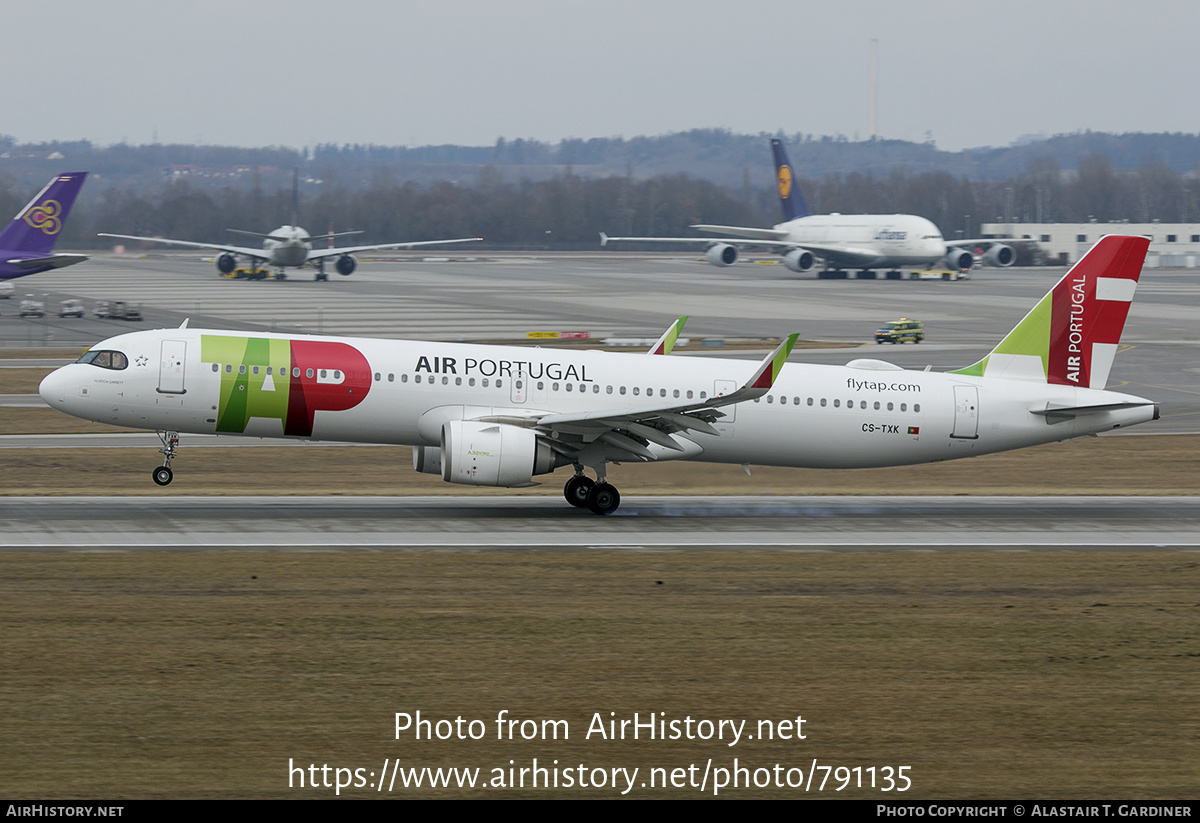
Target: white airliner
{"x": 289, "y": 247}
{"x": 501, "y": 415}
{"x": 863, "y": 241}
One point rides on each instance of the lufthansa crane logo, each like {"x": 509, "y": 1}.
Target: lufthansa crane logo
{"x": 44, "y": 216}
{"x": 784, "y": 181}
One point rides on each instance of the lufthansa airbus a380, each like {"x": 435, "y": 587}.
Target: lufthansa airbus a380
{"x": 500, "y": 415}
{"x": 862, "y": 241}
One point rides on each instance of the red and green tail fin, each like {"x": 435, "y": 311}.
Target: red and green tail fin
{"x": 1071, "y": 336}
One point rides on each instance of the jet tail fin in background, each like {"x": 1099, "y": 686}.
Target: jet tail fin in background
{"x": 1071, "y": 336}
{"x": 790, "y": 197}
{"x": 35, "y": 228}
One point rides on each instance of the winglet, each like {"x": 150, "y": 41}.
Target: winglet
{"x": 666, "y": 343}
{"x": 603, "y": 239}
{"x": 768, "y": 372}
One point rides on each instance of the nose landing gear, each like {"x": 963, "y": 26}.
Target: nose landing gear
{"x": 163, "y": 474}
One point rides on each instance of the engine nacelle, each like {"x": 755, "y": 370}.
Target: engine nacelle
{"x": 722, "y": 254}
{"x": 346, "y": 264}
{"x": 493, "y": 454}
{"x": 226, "y": 263}
{"x": 1000, "y": 256}
{"x": 799, "y": 260}
{"x": 959, "y": 259}
{"x": 427, "y": 459}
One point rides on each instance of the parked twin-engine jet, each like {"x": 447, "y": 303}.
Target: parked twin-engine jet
{"x": 862, "y": 241}
{"x": 27, "y": 243}
{"x": 289, "y": 247}
{"x": 501, "y": 415}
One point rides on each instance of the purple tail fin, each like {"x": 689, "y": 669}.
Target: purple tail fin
{"x": 36, "y": 227}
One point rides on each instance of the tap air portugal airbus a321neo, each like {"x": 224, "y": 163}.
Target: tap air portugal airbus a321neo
{"x": 500, "y": 416}
{"x": 862, "y": 241}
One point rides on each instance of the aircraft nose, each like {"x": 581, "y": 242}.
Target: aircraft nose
{"x": 53, "y": 389}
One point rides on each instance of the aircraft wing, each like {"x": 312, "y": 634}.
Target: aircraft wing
{"x": 743, "y": 231}
{"x": 842, "y": 255}
{"x": 49, "y": 261}
{"x": 323, "y": 253}
{"x": 633, "y": 429}
{"x": 257, "y": 254}
{"x": 700, "y": 241}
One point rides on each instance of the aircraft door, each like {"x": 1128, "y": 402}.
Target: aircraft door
{"x": 171, "y": 367}
{"x": 520, "y": 387}
{"x": 723, "y": 387}
{"x": 966, "y": 413}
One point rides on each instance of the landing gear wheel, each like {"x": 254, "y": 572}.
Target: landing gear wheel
{"x": 603, "y": 498}
{"x": 163, "y": 475}
{"x": 578, "y": 489}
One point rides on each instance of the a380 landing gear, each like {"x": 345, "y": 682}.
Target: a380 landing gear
{"x": 163, "y": 474}
{"x": 598, "y": 497}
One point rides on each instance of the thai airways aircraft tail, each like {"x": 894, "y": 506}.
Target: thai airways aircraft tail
{"x": 790, "y": 197}
{"x": 1071, "y": 336}
{"x": 35, "y": 228}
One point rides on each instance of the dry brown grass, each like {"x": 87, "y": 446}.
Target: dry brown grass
{"x": 1057, "y": 675}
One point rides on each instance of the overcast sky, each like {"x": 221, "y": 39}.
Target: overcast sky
{"x": 418, "y": 72}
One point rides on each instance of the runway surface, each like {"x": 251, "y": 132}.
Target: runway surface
{"x": 642, "y": 524}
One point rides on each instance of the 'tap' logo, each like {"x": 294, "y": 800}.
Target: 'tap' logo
{"x": 784, "y": 181}
{"x": 44, "y": 216}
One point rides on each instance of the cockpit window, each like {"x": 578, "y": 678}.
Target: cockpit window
{"x": 105, "y": 359}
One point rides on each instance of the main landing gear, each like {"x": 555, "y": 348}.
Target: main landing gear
{"x": 163, "y": 474}
{"x": 599, "y": 497}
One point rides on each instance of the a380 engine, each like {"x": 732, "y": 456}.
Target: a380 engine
{"x": 226, "y": 263}
{"x": 487, "y": 454}
{"x": 346, "y": 264}
{"x": 799, "y": 260}
{"x": 722, "y": 254}
{"x": 999, "y": 255}
{"x": 959, "y": 259}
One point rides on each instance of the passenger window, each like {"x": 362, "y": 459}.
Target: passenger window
{"x": 295, "y": 371}
{"x": 308, "y": 373}
{"x": 823, "y": 401}
{"x": 916, "y": 407}
{"x": 810, "y": 401}
{"x": 216, "y": 367}
{"x": 837, "y": 404}
{"x": 458, "y": 382}
{"x": 229, "y": 368}
{"x": 903, "y": 407}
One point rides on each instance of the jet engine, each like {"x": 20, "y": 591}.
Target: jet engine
{"x": 799, "y": 260}
{"x": 427, "y": 459}
{"x": 722, "y": 254}
{"x": 226, "y": 263}
{"x": 1000, "y": 256}
{"x": 494, "y": 454}
{"x": 346, "y": 264}
{"x": 959, "y": 259}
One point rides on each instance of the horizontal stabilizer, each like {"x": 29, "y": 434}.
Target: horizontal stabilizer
{"x": 53, "y": 261}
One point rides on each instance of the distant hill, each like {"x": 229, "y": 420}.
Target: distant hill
{"x": 719, "y": 156}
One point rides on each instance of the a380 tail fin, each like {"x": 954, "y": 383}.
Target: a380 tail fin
{"x": 1071, "y": 336}
{"x": 790, "y": 197}
{"x": 36, "y": 227}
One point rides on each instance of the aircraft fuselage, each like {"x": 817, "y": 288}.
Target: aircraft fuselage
{"x": 402, "y": 392}
{"x": 885, "y": 240}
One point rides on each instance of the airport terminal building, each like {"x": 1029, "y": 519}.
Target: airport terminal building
{"x": 1172, "y": 245}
